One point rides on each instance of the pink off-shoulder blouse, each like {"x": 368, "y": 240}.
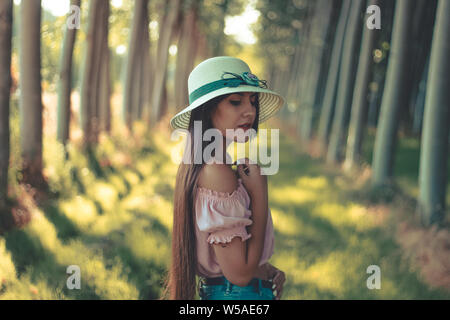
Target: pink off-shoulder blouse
{"x": 220, "y": 217}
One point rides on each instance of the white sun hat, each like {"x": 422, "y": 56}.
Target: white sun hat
{"x": 223, "y": 75}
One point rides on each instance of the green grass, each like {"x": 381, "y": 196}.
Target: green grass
{"x": 326, "y": 238}
{"x": 113, "y": 213}
{"x": 112, "y": 219}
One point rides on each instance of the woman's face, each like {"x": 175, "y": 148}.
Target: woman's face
{"x": 237, "y": 111}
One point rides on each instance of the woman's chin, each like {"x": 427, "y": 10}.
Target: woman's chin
{"x": 240, "y": 139}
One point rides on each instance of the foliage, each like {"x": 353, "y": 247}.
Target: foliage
{"x": 278, "y": 28}
{"x": 212, "y": 21}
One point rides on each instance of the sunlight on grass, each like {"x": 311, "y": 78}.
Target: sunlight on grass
{"x": 348, "y": 214}
{"x": 40, "y": 228}
{"x": 80, "y": 210}
{"x": 131, "y": 176}
{"x": 57, "y": 170}
{"x": 7, "y": 269}
{"x": 288, "y": 224}
{"x": 314, "y": 183}
{"x": 145, "y": 167}
{"x": 328, "y": 273}
{"x": 106, "y": 224}
{"x": 104, "y": 194}
{"x": 148, "y": 247}
{"x": 107, "y": 282}
{"x": 163, "y": 211}
{"x": 118, "y": 183}
{"x": 306, "y": 189}
{"x": 292, "y": 195}
{"x": 285, "y": 223}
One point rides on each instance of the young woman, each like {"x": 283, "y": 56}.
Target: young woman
{"x": 222, "y": 229}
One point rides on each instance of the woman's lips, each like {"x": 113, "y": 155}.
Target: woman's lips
{"x": 245, "y": 127}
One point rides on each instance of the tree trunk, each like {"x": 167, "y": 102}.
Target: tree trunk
{"x": 346, "y": 82}
{"x": 327, "y": 110}
{"x": 394, "y": 95}
{"x": 293, "y": 84}
{"x": 101, "y": 33}
{"x": 90, "y": 86}
{"x": 300, "y": 75}
{"x": 419, "y": 103}
{"x": 104, "y": 105}
{"x": 326, "y": 58}
{"x": 159, "y": 83}
{"x": 360, "y": 103}
{"x": 434, "y": 144}
{"x": 220, "y": 38}
{"x": 316, "y": 45}
{"x": 132, "y": 88}
{"x": 423, "y": 21}
{"x": 30, "y": 97}
{"x": 105, "y": 91}
{"x": 146, "y": 76}
{"x": 185, "y": 55}
{"x": 87, "y": 89}
{"x": 6, "y": 21}
{"x": 65, "y": 82}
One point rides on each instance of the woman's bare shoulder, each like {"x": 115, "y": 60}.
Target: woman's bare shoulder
{"x": 218, "y": 177}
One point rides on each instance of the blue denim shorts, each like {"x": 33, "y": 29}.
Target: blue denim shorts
{"x": 229, "y": 291}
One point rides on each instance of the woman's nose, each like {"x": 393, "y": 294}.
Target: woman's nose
{"x": 249, "y": 108}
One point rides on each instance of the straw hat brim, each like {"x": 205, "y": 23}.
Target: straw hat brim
{"x": 269, "y": 103}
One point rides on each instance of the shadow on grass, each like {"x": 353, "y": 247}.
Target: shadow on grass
{"x": 145, "y": 274}
{"x": 65, "y": 228}
{"x": 29, "y": 256}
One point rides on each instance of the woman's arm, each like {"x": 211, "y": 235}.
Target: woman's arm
{"x": 239, "y": 260}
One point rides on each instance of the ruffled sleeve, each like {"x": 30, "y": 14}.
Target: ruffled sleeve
{"x": 222, "y": 215}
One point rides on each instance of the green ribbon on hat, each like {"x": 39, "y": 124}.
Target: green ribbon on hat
{"x": 246, "y": 78}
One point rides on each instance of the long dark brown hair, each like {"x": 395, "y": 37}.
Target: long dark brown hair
{"x": 180, "y": 282}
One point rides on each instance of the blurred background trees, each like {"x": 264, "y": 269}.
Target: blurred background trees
{"x": 338, "y": 75}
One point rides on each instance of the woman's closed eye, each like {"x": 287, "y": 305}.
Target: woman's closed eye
{"x": 235, "y": 102}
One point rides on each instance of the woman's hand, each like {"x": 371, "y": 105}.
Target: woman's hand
{"x": 253, "y": 180}
{"x": 278, "y": 283}
{"x": 276, "y": 275}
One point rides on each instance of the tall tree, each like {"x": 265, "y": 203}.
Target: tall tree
{"x": 395, "y": 95}
{"x": 359, "y": 106}
{"x": 65, "y": 80}
{"x": 422, "y": 30}
{"x": 6, "y": 19}
{"x": 90, "y": 85}
{"x": 132, "y": 96}
{"x": 187, "y": 49}
{"x": 328, "y": 106}
{"x": 101, "y": 39}
{"x": 146, "y": 74}
{"x": 346, "y": 82}
{"x": 104, "y": 86}
{"x": 434, "y": 144}
{"x": 30, "y": 97}
{"x": 159, "y": 84}
{"x": 320, "y": 24}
